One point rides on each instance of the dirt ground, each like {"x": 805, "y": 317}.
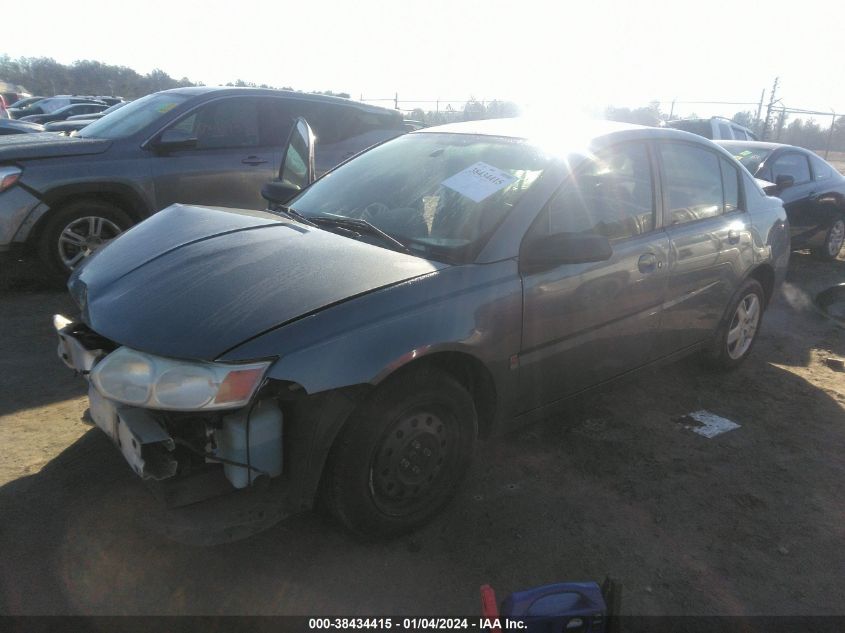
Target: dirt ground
{"x": 749, "y": 522}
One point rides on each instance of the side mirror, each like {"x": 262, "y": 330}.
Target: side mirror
{"x": 297, "y": 169}
{"x": 783, "y": 181}
{"x": 173, "y": 139}
{"x": 550, "y": 251}
{"x": 278, "y": 192}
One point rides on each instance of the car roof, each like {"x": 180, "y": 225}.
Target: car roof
{"x": 755, "y": 144}
{"x": 196, "y": 91}
{"x": 571, "y": 136}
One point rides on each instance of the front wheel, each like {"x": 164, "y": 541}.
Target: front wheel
{"x": 402, "y": 455}
{"x": 739, "y": 330}
{"x": 833, "y": 241}
{"x": 77, "y": 230}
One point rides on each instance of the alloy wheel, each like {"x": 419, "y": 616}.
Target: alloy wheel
{"x": 743, "y": 326}
{"x": 81, "y": 237}
{"x": 836, "y": 238}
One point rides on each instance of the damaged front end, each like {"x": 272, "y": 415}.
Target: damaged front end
{"x": 174, "y": 419}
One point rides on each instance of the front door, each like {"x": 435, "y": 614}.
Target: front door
{"x": 232, "y": 155}
{"x": 586, "y": 323}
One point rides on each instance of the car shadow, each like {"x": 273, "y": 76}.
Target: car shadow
{"x": 617, "y": 484}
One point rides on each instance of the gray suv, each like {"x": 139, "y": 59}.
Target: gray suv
{"x": 65, "y": 197}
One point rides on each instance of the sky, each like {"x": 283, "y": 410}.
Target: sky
{"x": 553, "y": 57}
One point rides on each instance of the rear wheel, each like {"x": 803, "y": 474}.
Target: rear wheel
{"x": 77, "y": 230}
{"x": 401, "y": 457}
{"x": 736, "y": 336}
{"x": 833, "y": 241}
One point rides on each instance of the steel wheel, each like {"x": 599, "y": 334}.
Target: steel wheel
{"x": 743, "y": 326}
{"x": 82, "y": 236}
{"x": 410, "y": 459}
{"x": 835, "y": 238}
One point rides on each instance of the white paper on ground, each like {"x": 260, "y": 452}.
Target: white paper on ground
{"x": 713, "y": 424}
{"x": 479, "y": 181}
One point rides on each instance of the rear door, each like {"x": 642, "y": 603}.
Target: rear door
{"x": 799, "y": 200}
{"x": 709, "y": 237}
{"x": 236, "y": 151}
{"x": 586, "y": 323}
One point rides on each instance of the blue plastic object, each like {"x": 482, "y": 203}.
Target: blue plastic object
{"x": 570, "y": 607}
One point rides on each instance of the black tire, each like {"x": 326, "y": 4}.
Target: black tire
{"x": 727, "y": 354}
{"x": 400, "y": 458}
{"x": 55, "y": 253}
{"x": 833, "y": 241}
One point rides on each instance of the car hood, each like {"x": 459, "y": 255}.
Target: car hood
{"x": 193, "y": 282}
{"x": 24, "y": 146}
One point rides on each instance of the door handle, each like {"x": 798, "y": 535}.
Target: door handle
{"x": 648, "y": 263}
{"x": 253, "y": 160}
{"x": 733, "y": 236}
{"x": 813, "y": 197}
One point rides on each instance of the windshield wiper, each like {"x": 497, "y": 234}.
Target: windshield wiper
{"x": 293, "y": 214}
{"x": 360, "y": 225}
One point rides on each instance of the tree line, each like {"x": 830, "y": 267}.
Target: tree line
{"x": 45, "y": 76}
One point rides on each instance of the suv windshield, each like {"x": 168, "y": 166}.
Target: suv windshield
{"x": 751, "y": 157}
{"x": 133, "y": 117}
{"x": 441, "y": 195}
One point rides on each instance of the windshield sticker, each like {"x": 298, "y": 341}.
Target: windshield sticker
{"x": 745, "y": 153}
{"x": 479, "y": 181}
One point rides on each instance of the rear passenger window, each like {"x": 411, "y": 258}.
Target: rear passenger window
{"x": 725, "y": 131}
{"x": 792, "y": 164}
{"x": 611, "y": 196}
{"x": 739, "y": 134}
{"x": 730, "y": 184}
{"x": 692, "y": 183}
{"x": 821, "y": 169}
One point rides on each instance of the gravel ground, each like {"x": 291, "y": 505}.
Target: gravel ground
{"x": 749, "y": 522}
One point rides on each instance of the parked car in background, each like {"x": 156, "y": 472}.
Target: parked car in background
{"x": 451, "y": 283}
{"x": 204, "y": 145}
{"x": 11, "y": 126}
{"x": 49, "y": 105}
{"x": 63, "y": 113}
{"x": 713, "y": 128}
{"x": 25, "y": 102}
{"x": 812, "y": 191}
{"x": 79, "y": 121}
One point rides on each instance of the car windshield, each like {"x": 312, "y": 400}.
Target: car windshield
{"x": 441, "y": 195}
{"x": 133, "y": 117}
{"x": 751, "y": 157}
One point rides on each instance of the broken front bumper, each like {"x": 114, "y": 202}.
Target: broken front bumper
{"x": 144, "y": 443}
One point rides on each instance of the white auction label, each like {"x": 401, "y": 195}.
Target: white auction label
{"x": 479, "y": 181}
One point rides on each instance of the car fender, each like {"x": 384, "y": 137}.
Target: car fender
{"x": 474, "y": 310}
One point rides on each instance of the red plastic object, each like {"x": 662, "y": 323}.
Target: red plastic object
{"x": 489, "y": 608}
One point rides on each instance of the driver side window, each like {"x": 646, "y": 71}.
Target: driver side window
{"x": 611, "y": 195}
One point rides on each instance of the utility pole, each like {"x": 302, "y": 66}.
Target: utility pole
{"x": 396, "y": 101}
{"x": 759, "y": 110}
{"x": 671, "y": 110}
{"x": 830, "y": 134}
{"x": 764, "y": 132}
{"x": 781, "y": 121}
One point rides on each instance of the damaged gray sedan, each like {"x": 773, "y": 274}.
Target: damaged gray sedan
{"x": 355, "y": 340}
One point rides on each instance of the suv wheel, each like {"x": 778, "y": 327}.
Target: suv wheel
{"x": 736, "y": 336}
{"x": 402, "y": 455}
{"x": 78, "y": 229}
{"x": 833, "y": 241}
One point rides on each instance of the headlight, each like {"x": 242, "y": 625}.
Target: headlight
{"x": 150, "y": 381}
